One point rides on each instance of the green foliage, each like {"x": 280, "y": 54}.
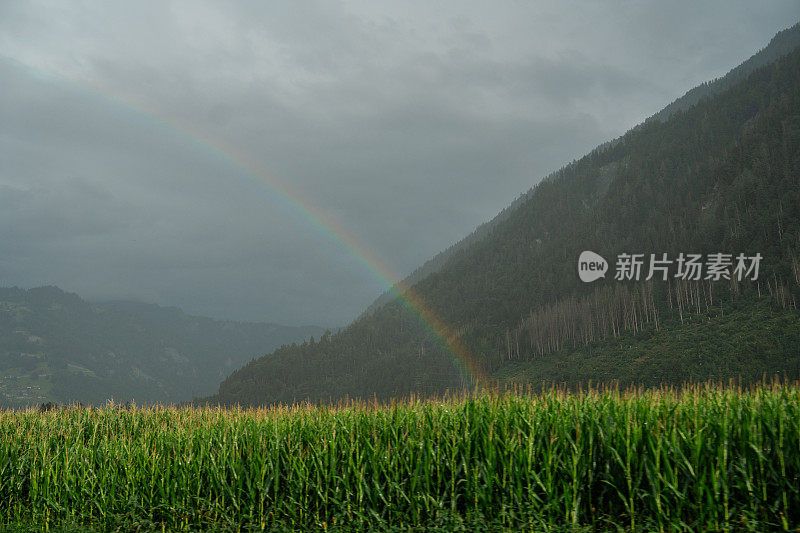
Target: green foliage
{"x": 738, "y": 340}
{"x": 704, "y": 458}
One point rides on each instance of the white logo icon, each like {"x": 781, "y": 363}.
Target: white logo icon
{"x": 591, "y": 266}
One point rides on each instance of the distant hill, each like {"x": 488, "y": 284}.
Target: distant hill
{"x": 56, "y": 347}
{"x": 718, "y": 171}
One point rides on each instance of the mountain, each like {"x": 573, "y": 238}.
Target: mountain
{"x": 56, "y": 347}
{"x": 718, "y": 171}
{"x": 782, "y": 44}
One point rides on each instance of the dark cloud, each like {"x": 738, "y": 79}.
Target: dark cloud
{"x": 406, "y": 123}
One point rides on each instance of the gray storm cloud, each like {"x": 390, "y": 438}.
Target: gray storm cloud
{"x": 408, "y": 123}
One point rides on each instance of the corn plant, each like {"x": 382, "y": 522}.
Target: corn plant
{"x": 699, "y": 458}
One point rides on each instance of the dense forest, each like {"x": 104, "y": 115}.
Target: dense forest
{"x": 719, "y": 172}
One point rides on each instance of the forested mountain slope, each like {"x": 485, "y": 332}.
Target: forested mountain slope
{"x": 782, "y": 44}
{"x": 722, "y": 176}
{"x": 56, "y": 347}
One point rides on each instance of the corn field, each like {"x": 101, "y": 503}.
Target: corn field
{"x": 702, "y": 458}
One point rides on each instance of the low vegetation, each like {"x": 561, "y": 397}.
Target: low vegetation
{"x": 700, "y": 458}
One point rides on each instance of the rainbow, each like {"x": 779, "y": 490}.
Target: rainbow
{"x": 312, "y": 214}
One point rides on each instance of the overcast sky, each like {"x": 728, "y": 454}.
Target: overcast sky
{"x": 408, "y": 123}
